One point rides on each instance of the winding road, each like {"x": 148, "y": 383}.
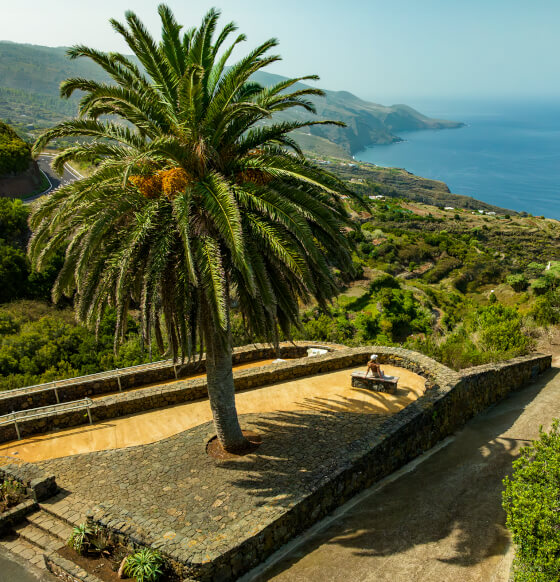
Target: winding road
{"x": 69, "y": 175}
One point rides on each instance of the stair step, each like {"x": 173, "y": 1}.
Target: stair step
{"x": 50, "y": 524}
{"x": 21, "y": 547}
{"x": 38, "y": 537}
{"x": 68, "y": 509}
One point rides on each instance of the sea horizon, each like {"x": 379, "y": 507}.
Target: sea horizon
{"x": 507, "y": 153}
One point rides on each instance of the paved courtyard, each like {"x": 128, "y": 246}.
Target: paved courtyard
{"x": 171, "y": 493}
{"x": 323, "y": 392}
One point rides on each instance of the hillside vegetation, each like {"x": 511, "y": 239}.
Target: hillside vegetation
{"x": 30, "y": 76}
{"x": 461, "y": 286}
{"x": 15, "y": 154}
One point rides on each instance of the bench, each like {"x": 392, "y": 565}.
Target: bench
{"x": 389, "y": 384}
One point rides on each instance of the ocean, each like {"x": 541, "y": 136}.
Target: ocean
{"x": 508, "y": 154}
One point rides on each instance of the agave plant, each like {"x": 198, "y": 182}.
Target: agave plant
{"x": 201, "y": 198}
{"x": 82, "y": 538}
{"x": 144, "y": 566}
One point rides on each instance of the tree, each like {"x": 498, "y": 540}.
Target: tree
{"x": 200, "y": 201}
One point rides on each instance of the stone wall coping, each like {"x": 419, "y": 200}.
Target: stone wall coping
{"x": 496, "y": 366}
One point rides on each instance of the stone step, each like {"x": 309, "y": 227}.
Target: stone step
{"x": 50, "y": 524}
{"x": 68, "y": 509}
{"x": 26, "y": 550}
{"x": 38, "y": 537}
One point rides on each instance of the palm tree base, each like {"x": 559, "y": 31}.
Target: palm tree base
{"x": 252, "y": 442}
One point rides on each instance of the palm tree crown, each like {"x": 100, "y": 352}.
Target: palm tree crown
{"x": 199, "y": 198}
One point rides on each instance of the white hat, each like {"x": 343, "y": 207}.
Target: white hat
{"x": 373, "y": 357}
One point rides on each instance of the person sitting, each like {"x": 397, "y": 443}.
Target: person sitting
{"x": 374, "y": 367}
{"x": 376, "y": 370}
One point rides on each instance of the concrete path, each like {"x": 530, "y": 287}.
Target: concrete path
{"x": 15, "y": 569}
{"x": 441, "y": 519}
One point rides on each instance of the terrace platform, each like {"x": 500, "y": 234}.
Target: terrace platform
{"x": 172, "y": 495}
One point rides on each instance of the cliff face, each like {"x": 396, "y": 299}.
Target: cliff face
{"x": 367, "y": 123}
{"x": 21, "y": 185}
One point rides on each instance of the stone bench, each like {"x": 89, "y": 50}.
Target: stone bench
{"x": 360, "y": 380}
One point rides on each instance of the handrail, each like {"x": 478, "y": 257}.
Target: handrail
{"x": 41, "y": 411}
{"x": 60, "y": 383}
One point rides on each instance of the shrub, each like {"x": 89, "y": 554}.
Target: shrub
{"x": 517, "y": 282}
{"x": 540, "y": 286}
{"x": 11, "y": 493}
{"x": 546, "y": 310}
{"x": 530, "y": 500}
{"x": 145, "y": 565}
{"x": 82, "y": 538}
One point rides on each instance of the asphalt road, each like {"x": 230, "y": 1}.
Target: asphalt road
{"x": 441, "y": 519}
{"x": 44, "y": 163}
{"x": 12, "y": 570}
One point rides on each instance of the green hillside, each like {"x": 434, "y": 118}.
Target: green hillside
{"x": 15, "y": 154}
{"x": 30, "y": 76}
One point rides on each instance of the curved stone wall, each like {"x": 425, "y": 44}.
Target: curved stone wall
{"x": 151, "y": 398}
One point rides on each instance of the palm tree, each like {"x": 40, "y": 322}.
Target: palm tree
{"x": 199, "y": 200}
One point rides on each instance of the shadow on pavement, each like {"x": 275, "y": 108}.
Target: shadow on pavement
{"x": 448, "y": 508}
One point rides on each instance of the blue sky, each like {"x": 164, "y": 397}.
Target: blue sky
{"x": 388, "y": 51}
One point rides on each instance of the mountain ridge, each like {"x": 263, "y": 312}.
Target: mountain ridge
{"x": 30, "y": 76}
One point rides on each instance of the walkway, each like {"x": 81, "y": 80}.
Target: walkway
{"x": 440, "y": 519}
{"x": 321, "y": 393}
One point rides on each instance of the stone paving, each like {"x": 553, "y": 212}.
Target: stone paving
{"x": 173, "y": 495}
{"x": 174, "y": 491}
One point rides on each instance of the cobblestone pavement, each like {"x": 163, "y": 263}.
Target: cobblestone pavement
{"x": 174, "y": 495}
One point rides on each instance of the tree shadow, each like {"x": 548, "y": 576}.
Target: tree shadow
{"x": 452, "y": 499}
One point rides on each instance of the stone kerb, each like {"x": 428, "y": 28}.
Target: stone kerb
{"x": 66, "y": 570}
{"x": 452, "y": 400}
{"x": 108, "y": 382}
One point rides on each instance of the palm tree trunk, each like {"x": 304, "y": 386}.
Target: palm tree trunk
{"x": 221, "y": 392}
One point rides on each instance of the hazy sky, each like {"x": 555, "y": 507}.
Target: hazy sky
{"x": 389, "y": 50}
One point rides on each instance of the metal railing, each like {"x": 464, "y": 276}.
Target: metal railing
{"x": 118, "y": 372}
{"x": 42, "y": 411}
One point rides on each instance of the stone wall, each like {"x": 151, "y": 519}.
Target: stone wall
{"x": 151, "y": 398}
{"x": 108, "y": 382}
{"x": 451, "y": 400}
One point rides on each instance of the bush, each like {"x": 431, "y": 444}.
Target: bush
{"x": 517, "y": 282}
{"x": 530, "y": 500}
{"x": 540, "y": 286}
{"x": 546, "y": 310}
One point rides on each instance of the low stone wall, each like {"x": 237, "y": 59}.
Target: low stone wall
{"x": 39, "y": 485}
{"x": 151, "y": 398}
{"x": 108, "y": 382}
{"x": 451, "y": 400}
{"x": 16, "y": 514}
